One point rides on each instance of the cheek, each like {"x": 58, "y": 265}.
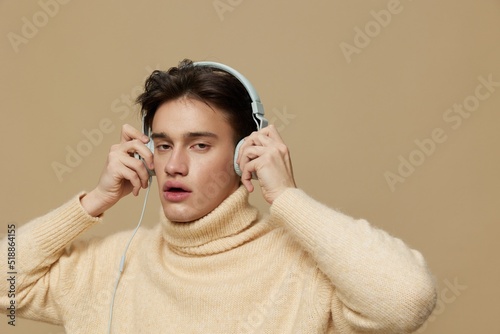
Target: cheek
{"x": 216, "y": 160}
{"x": 158, "y": 160}
{"x": 219, "y": 170}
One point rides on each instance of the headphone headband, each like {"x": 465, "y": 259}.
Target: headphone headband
{"x": 257, "y": 107}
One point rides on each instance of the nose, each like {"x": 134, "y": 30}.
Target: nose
{"x": 177, "y": 163}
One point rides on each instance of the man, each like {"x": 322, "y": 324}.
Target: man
{"x": 214, "y": 264}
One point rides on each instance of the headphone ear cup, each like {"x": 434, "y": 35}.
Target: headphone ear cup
{"x": 151, "y": 146}
{"x": 236, "y": 152}
{"x": 236, "y": 166}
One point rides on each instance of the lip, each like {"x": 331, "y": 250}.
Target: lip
{"x": 175, "y": 191}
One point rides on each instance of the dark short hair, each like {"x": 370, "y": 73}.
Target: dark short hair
{"x": 212, "y": 86}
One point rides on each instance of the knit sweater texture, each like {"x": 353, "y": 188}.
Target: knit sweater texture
{"x": 303, "y": 268}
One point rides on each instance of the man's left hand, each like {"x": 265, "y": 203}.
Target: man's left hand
{"x": 265, "y": 153}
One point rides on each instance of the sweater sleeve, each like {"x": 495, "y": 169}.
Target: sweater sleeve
{"x": 380, "y": 285}
{"x": 39, "y": 245}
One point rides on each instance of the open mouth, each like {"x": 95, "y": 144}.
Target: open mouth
{"x": 175, "y": 191}
{"x": 175, "y": 186}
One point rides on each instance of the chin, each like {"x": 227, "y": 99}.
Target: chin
{"x": 182, "y": 215}
{"x": 179, "y": 218}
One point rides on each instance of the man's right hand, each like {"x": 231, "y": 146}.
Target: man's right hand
{"x": 122, "y": 173}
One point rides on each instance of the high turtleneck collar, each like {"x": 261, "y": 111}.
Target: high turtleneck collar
{"x": 229, "y": 225}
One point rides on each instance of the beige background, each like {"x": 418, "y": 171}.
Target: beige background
{"x": 347, "y": 119}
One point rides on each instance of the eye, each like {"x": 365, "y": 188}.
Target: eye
{"x": 201, "y": 146}
{"x": 163, "y": 147}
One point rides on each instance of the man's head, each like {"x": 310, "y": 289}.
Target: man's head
{"x": 197, "y": 114}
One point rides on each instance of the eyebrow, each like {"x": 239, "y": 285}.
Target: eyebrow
{"x": 187, "y": 135}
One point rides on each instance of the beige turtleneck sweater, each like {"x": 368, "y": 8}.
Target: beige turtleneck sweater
{"x": 304, "y": 268}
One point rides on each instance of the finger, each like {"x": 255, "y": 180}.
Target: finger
{"x": 268, "y": 138}
{"x": 136, "y": 146}
{"x": 120, "y": 155}
{"x": 273, "y": 142}
{"x": 247, "y": 173}
{"x": 138, "y": 167}
{"x": 129, "y": 133}
{"x": 264, "y": 137}
{"x": 272, "y": 132}
{"x": 247, "y": 183}
{"x": 255, "y": 158}
{"x": 246, "y": 180}
{"x": 269, "y": 131}
{"x": 246, "y": 142}
{"x": 123, "y": 175}
{"x": 250, "y": 141}
{"x": 250, "y": 153}
{"x": 261, "y": 139}
{"x": 247, "y": 151}
{"x": 265, "y": 145}
{"x": 132, "y": 177}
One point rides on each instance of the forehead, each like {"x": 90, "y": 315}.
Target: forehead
{"x": 190, "y": 115}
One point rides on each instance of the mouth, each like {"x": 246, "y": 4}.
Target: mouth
{"x": 174, "y": 191}
{"x": 175, "y": 186}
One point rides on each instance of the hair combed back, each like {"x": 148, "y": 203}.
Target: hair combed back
{"x": 212, "y": 86}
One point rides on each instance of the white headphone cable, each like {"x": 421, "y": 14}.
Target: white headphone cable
{"x": 122, "y": 261}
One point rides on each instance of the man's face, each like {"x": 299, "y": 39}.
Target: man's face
{"x": 193, "y": 158}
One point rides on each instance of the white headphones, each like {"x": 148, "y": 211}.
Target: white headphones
{"x": 257, "y": 108}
